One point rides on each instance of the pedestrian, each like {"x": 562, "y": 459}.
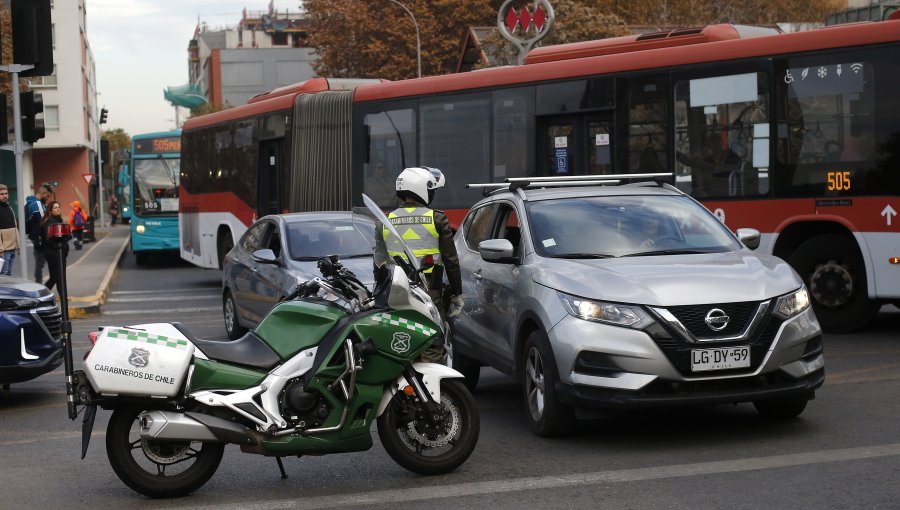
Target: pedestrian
{"x": 77, "y": 217}
{"x": 55, "y": 267}
{"x": 9, "y": 232}
{"x": 426, "y": 232}
{"x": 34, "y": 213}
{"x": 113, "y": 211}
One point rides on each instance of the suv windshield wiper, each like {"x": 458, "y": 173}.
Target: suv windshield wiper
{"x": 668, "y": 252}
{"x": 581, "y": 256}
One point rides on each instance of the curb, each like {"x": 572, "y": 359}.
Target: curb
{"x": 91, "y": 304}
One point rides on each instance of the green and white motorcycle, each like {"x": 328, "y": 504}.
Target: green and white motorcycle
{"x": 309, "y": 380}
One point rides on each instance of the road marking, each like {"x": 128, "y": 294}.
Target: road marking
{"x": 394, "y": 497}
{"x": 198, "y": 309}
{"x": 162, "y": 298}
{"x": 163, "y": 291}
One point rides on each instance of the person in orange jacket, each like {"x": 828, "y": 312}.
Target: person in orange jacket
{"x": 77, "y": 219}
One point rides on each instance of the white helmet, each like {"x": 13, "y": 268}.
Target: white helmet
{"x": 420, "y": 181}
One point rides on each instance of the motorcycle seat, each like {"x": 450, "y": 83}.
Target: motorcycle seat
{"x": 248, "y": 350}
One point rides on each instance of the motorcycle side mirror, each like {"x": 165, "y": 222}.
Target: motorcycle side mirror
{"x": 265, "y": 256}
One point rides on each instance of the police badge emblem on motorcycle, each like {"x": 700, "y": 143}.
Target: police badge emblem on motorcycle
{"x": 400, "y": 343}
{"x": 139, "y": 357}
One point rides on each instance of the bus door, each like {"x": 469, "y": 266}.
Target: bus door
{"x": 576, "y": 145}
{"x": 271, "y": 163}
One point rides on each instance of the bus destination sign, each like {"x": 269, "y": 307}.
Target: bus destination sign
{"x": 158, "y": 145}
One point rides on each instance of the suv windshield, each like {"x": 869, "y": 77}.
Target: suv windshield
{"x": 620, "y": 226}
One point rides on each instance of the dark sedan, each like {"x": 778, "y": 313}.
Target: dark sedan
{"x": 30, "y": 331}
{"x": 280, "y": 250}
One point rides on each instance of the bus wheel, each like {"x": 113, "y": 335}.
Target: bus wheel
{"x": 225, "y": 246}
{"x": 835, "y": 276}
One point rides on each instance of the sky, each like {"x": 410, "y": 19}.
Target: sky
{"x": 140, "y": 48}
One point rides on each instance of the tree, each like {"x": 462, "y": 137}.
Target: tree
{"x": 205, "y": 108}
{"x": 377, "y": 39}
{"x": 119, "y": 142}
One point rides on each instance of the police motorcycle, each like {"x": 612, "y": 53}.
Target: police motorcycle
{"x": 325, "y": 363}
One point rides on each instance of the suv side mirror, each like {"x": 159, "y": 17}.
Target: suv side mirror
{"x": 749, "y": 236}
{"x": 497, "y": 250}
{"x": 265, "y": 256}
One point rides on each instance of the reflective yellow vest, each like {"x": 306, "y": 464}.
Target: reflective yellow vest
{"x": 416, "y": 226}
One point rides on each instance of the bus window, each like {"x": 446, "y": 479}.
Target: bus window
{"x": 513, "y": 125}
{"x": 392, "y": 147}
{"x": 647, "y": 125}
{"x": 722, "y": 135}
{"x": 835, "y": 122}
{"x": 455, "y": 136}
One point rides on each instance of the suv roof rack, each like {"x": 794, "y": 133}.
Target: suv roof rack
{"x": 521, "y": 183}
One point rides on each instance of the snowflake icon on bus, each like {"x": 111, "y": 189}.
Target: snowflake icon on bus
{"x": 822, "y": 72}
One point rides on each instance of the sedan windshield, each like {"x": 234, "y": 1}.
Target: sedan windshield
{"x": 312, "y": 240}
{"x": 619, "y": 226}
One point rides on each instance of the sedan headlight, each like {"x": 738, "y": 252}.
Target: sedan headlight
{"x": 18, "y": 304}
{"x": 792, "y": 304}
{"x": 617, "y": 314}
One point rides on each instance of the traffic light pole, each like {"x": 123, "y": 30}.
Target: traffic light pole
{"x": 18, "y": 148}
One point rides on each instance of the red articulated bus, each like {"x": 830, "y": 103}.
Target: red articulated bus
{"x": 796, "y": 135}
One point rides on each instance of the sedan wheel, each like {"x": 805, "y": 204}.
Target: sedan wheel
{"x": 229, "y": 310}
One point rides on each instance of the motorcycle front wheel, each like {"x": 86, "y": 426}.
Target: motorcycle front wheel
{"x": 431, "y": 447}
{"x": 158, "y": 469}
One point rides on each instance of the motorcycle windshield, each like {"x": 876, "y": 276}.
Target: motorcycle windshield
{"x": 373, "y": 208}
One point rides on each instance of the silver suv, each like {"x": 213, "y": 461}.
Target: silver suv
{"x": 629, "y": 296}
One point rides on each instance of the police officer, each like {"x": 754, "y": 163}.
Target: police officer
{"x": 427, "y": 232}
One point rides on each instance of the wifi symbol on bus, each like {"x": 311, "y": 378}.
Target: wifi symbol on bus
{"x": 856, "y": 68}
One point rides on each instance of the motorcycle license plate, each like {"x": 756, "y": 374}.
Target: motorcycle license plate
{"x": 723, "y": 358}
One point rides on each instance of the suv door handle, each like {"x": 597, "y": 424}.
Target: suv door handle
{"x": 477, "y": 275}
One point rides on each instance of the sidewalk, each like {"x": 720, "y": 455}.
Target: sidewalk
{"x": 90, "y": 271}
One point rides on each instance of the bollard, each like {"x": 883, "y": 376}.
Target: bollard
{"x": 59, "y": 234}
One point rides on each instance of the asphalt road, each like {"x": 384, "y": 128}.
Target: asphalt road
{"x": 843, "y": 452}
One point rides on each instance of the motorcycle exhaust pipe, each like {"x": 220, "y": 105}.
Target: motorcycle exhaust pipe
{"x": 172, "y": 426}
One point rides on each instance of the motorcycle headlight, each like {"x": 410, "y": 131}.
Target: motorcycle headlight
{"x": 18, "y": 304}
{"x": 629, "y": 316}
{"x": 792, "y": 304}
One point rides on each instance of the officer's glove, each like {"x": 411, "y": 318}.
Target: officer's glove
{"x": 456, "y": 306}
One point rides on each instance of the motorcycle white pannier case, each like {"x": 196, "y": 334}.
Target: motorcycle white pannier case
{"x": 128, "y": 361}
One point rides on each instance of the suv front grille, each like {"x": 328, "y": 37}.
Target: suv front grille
{"x": 693, "y": 317}
{"x": 678, "y": 350}
{"x": 52, "y": 319}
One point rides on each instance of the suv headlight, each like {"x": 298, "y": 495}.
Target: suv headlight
{"x": 617, "y": 314}
{"x": 18, "y": 304}
{"x": 792, "y": 304}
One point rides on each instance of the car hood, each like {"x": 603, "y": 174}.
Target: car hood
{"x": 20, "y": 288}
{"x": 362, "y": 267}
{"x": 673, "y": 279}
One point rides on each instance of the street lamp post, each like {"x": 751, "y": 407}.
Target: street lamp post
{"x": 418, "y": 42}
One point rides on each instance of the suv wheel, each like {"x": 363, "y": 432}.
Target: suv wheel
{"x": 548, "y": 416}
{"x": 781, "y": 408}
{"x": 229, "y": 310}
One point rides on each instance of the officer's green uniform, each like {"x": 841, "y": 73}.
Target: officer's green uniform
{"x": 426, "y": 232}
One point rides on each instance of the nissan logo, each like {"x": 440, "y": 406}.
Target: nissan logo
{"x": 716, "y": 319}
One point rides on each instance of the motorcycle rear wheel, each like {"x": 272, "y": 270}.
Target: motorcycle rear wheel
{"x": 158, "y": 469}
{"x": 425, "y": 449}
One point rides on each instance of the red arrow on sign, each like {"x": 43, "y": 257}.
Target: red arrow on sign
{"x": 88, "y": 178}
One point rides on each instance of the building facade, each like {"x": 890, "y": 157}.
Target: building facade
{"x": 265, "y": 51}
{"x": 69, "y": 147}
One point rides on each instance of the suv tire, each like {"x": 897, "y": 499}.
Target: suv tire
{"x": 547, "y": 415}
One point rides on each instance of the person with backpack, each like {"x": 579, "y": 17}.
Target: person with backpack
{"x": 77, "y": 218}
{"x": 34, "y": 213}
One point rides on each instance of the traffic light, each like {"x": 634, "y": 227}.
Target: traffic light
{"x": 31, "y": 104}
{"x": 103, "y": 113}
{"x": 32, "y": 36}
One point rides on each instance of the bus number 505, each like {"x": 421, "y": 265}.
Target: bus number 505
{"x": 838, "y": 181}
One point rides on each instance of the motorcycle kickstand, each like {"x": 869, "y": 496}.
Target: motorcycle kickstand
{"x": 281, "y": 467}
